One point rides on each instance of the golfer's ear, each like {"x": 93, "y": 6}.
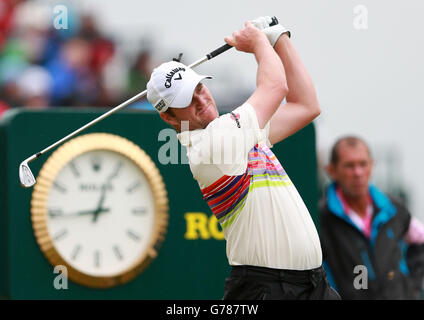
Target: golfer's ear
{"x": 168, "y": 118}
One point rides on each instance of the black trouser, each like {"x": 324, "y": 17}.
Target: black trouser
{"x": 259, "y": 283}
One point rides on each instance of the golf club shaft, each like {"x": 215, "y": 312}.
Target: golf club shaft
{"x": 103, "y": 116}
{"x": 110, "y": 112}
{"x": 141, "y": 95}
{"x": 115, "y": 109}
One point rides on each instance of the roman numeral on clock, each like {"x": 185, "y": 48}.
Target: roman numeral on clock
{"x": 75, "y": 252}
{"x": 117, "y": 168}
{"x": 60, "y": 235}
{"x": 133, "y": 235}
{"x": 53, "y": 213}
{"x": 139, "y": 211}
{"x": 97, "y": 259}
{"x": 96, "y": 163}
{"x": 133, "y": 186}
{"x": 59, "y": 187}
{"x": 118, "y": 253}
{"x": 74, "y": 169}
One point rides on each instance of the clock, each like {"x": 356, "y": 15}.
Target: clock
{"x": 100, "y": 209}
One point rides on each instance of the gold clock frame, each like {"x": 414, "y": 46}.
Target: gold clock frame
{"x": 47, "y": 174}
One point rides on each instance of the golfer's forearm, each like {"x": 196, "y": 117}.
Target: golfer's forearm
{"x": 271, "y": 85}
{"x": 271, "y": 74}
{"x": 301, "y": 87}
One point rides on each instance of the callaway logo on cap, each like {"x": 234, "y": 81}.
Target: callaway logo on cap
{"x": 172, "y": 85}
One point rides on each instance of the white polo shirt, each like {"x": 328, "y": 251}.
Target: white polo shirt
{"x": 264, "y": 219}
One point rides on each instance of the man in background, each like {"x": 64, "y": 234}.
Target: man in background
{"x": 361, "y": 226}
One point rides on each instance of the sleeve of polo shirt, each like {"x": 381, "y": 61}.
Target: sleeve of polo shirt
{"x": 227, "y": 140}
{"x": 251, "y": 121}
{"x": 241, "y": 123}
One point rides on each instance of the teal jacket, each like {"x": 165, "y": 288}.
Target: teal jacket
{"x": 383, "y": 255}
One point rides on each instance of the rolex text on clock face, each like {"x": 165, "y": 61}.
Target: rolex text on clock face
{"x": 100, "y": 213}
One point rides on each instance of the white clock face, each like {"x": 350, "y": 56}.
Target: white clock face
{"x": 100, "y": 213}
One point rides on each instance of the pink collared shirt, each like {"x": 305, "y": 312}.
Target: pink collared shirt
{"x": 414, "y": 235}
{"x": 363, "y": 223}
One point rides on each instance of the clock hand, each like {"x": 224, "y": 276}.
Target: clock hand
{"x": 100, "y": 204}
{"x": 103, "y": 192}
{"x": 100, "y": 210}
{"x": 78, "y": 213}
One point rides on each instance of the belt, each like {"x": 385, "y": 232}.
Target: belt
{"x": 312, "y": 276}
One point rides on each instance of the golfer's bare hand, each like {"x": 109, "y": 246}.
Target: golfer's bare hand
{"x": 247, "y": 39}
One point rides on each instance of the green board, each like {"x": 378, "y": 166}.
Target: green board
{"x": 191, "y": 264}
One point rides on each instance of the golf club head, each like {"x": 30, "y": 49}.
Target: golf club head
{"x": 25, "y": 175}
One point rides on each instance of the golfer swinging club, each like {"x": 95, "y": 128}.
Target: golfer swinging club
{"x": 272, "y": 243}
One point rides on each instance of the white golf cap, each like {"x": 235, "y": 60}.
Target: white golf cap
{"x": 172, "y": 85}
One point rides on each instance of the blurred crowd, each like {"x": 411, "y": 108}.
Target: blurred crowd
{"x": 42, "y": 66}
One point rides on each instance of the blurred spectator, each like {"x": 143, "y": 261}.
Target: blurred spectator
{"x": 114, "y": 80}
{"x": 34, "y": 86}
{"x": 140, "y": 72}
{"x": 361, "y": 226}
{"x": 102, "y": 49}
{"x": 12, "y": 65}
{"x": 102, "y": 52}
{"x": 88, "y": 28}
{"x": 7, "y": 12}
{"x": 73, "y": 81}
{"x": 138, "y": 77}
{"x": 31, "y": 27}
{"x": 79, "y": 66}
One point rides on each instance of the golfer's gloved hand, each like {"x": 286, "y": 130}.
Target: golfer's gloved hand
{"x": 273, "y": 32}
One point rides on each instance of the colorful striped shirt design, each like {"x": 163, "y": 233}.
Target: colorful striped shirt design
{"x": 227, "y": 196}
{"x": 265, "y": 168}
